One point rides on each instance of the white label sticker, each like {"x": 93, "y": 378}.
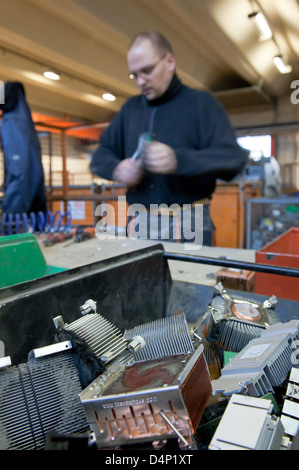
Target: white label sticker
{"x": 255, "y": 351}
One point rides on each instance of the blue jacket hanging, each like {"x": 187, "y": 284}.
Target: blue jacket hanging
{"x": 24, "y": 185}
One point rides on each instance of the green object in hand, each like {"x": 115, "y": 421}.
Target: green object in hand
{"x": 143, "y": 139}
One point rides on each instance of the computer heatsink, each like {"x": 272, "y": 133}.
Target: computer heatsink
{"x": 236, "y": 320}
{"x": 248, "y": 424}
{"x": 162, "y": 395}
{"x": 168, "y": 336}
{"x": 102, "y": 340}
{"x": 39, "y": 397}
{"x": 262, "y": 365}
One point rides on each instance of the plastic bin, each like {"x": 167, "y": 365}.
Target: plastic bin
{"x": 129, "y": 290}
{"x": 283, "y": 251}
{"x": 21, "y": 260}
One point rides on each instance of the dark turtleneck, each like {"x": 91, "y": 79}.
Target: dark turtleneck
{"x": 173, "y": 88}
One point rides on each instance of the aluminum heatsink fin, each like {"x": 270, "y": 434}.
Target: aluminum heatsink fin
{"x": 237, "y": 320}
{"x": 263, "y": 364}
{"x": 168, "y": 336}
{"x": 38, "y": 397}
{"x": 104, "y": 340}
{"x": 15, "y": 426}
{"x": 235, "y": 335}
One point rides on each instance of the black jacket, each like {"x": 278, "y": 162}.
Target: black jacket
{"x": 24, "y": 175}
{"x": 194, "y": 124}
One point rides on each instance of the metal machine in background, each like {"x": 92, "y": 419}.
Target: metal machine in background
{"x": 264, "y": 170}
{"x": 270, "y": 218}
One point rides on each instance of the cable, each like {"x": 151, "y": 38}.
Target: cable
{"x": 13, "y": 224}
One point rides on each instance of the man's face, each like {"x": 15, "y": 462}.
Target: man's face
{"x": 151, "y": 70}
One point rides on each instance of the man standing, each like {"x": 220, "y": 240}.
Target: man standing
{"x": 183, "y": 138}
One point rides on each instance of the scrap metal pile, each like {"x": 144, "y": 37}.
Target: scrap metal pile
{"x": 258, "y": 356}
{"x": 157, "y": 383}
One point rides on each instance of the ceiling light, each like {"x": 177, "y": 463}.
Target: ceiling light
{"x": 51, "y": 75}
{"x": 282, "y": 66}
{"x": 108, "y": 97}
{"x": 262, "y": 25}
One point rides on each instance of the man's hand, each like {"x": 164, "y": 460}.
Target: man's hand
{"x": 129, "y": 172}
{"x": 159, "y": 158}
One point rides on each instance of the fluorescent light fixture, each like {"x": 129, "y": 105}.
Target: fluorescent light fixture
{"x": 108, "y": 97}
{"x": 51, "y": 75}
{"x": 281, "y": 65}
{"x": 262, "y": 25}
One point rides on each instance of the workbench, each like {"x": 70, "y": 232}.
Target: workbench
{"x": 70, "y": 255}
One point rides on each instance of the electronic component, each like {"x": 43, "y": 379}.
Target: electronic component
{"x": 40, "y": 396}
{"x": 247, "y": 424}
{"x": 290, "y": 410}
{"x": 235, "y": 320}
{"x": 263, "y": 364}
{"x": 166, "y": 337}
{"x": 149, "y": 401}
{"x": 161, "y": 395}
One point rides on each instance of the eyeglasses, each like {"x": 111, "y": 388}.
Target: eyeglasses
{"x": 146, "y": 71}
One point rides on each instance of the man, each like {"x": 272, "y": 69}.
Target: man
{"x": 185, "y": 141}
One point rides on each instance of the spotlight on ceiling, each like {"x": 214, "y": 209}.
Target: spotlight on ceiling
{"x": 262, "y": 25}
{"x": 51, "y": 75}
{"x": 282, "y": 66}
{"x": 108, "y": 97}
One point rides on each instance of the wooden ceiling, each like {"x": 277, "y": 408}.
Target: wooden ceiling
{"x": 216, "y": 45}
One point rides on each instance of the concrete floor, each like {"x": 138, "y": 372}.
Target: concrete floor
{"x": 69, "y": 255}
